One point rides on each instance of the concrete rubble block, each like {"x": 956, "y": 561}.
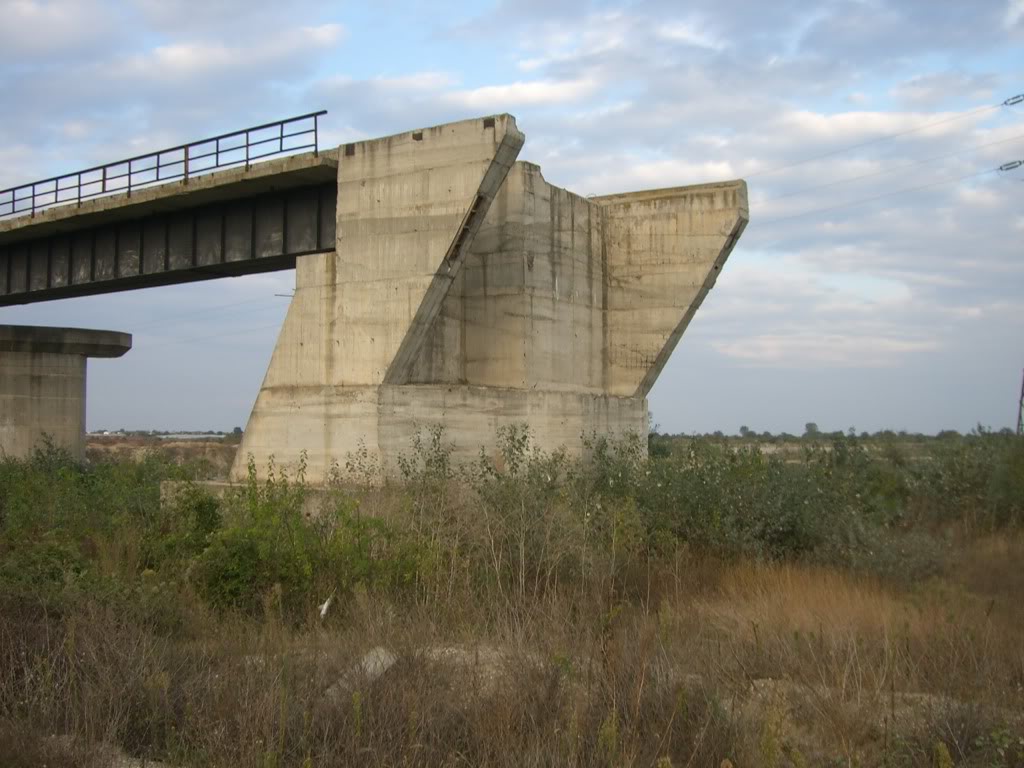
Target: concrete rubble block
{"x": 479, "y": 668}
{"x": 99, "y": 754}
{"x": 373, "y": 664}
{"x": 43, "y": 385}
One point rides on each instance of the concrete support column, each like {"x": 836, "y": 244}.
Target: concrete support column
{"x": 43, "y": 383}
{"x": 465, "y": 290}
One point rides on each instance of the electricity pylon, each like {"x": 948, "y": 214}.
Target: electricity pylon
{"x": 1020, "y": 410}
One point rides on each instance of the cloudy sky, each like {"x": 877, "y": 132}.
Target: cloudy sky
{"x": 880, "y": 283}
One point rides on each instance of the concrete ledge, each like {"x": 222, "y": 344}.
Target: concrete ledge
{"x": 63, "y": 341}
{"x": 672, "y": 193}
{"x": 43, "y": 385}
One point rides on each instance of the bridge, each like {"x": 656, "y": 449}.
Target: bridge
{"x": 202, "y": 210}
{"x": 438, "y": 278}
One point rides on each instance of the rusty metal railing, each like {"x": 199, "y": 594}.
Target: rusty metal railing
{"x": 288, "y": 136}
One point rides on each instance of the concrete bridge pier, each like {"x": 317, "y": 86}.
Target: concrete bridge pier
{"x": 42, "y": 385}
{"x": 466, "y": 290}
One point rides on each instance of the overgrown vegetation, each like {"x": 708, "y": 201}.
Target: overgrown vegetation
{"x": 850, "y": 602}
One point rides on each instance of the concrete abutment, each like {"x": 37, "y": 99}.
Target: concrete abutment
{"x": 43, "y": 385}
{"x": 465, "y": 290}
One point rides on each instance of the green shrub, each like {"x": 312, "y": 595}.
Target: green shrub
{"x": 275, "y": 544}
{"x": 513, "y": 524}
{"x": 977, "y": 480}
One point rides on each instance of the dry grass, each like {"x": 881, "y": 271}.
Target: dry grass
{"x": 215, "y": 454}
{"x": 759, "y": 664}
{"x": 525, "y": 639}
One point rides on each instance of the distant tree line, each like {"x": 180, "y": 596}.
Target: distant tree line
{"x": 658, "y": 440}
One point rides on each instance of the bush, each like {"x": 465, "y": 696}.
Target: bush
{"x": 511, "y": 526}
{"x": 978, "y": 481}
{"x": 275, "y": 543}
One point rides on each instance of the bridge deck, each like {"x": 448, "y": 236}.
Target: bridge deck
{"x": 230, "y": 222}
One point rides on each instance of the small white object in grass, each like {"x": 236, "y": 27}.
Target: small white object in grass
{"x": 325, "y": 606}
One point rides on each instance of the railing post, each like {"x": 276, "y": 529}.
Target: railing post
{"x": 129, "y": 178}
{"x": 33, "y": 200}
{"x": 280, "y": 141}
{"x": 186, "y": 163}
{"x": 316, "y": 136}
{"x": 216, "y": 154}
{"x": 247, "y": 150}
{"x": 79, "y": 189}
{"x": 104, "y": 187}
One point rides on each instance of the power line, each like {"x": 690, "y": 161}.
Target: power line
{"x": 198, "y": 313}
{"x": 1020, "y": 410}
{"x": 886, "y": 171}
{"x": 1010, "y": 102}
{"x": 1009, "y": 166}
{"x": 208, "y": 336}
{"x": 1004, "y": 167}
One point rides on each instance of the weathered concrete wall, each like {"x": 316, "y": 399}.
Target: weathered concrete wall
{"x": 465, "y": 290}
{"x": 664, "y": 249}
{"x": 330, "y": 423}
{"x": 41, "y": 394}
{"x": 526, "y": 311}
{"x": 43, "y": 385}
{"x": 568, "y": 293}
{"x": 472, "y": 417}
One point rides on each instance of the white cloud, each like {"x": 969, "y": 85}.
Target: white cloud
{"x": 938, "y": 87}
{"x": 418, "y": 81}
{"x": 1014, "y": 13}
{"x": 966, "y": 312}
{"x": 689, "y": 33}
{"x": 979, "y": 196}
{"x": 201, "y": 58}
{"x": 531, "y": 93}
{"x": 806, "y": 348}
{"x": 62, "y": 27}
{"x": 618, "y": 173}
{"x": 850, "y": 127}
{"x": 324, "y": 34}
{"x": 76, "y": 130}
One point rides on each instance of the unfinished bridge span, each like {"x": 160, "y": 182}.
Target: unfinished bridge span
{"x": 438, "y": 280}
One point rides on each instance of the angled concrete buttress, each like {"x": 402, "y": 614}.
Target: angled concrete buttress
{"x": 467, "y": 291}
{"x": 42, "y": 385}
